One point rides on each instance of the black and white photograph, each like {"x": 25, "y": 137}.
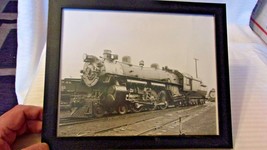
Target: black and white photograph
{"x": 131, "y": 73}
{"x": 136, "y": 74}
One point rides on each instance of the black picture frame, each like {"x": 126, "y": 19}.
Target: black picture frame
{"x": 53, "y": 69}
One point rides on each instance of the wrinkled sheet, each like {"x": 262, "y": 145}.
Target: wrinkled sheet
{"x": 247, "y": 64}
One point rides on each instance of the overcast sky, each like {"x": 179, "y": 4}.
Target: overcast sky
{"x": 172, "y": 40}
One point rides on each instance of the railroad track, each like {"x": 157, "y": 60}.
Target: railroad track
{"x": 158, "y": 122}
{"x": 174, "y": 123}
{"x": 72, "y": 121}
{"x": 146, "y": 125}
{"x": 67, "y": 121}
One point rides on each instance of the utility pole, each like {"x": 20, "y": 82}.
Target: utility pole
{"x": 196, "y": 66}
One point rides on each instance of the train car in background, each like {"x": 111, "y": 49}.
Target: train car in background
{"x": 70, "y": 88}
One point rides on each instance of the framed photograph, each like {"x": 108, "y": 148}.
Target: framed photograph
{"x": 136, "y": 74}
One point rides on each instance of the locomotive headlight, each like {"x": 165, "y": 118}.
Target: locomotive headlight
{"x": 89, "y": 58}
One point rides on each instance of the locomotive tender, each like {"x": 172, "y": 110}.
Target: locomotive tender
{"x": 123, "y": 87}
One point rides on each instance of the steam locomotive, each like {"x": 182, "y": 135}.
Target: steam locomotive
{"x": 114, "y": 86}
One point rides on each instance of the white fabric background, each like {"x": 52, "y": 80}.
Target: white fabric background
{"x": 247, "y": 57}
{"x": 32, "y": 29}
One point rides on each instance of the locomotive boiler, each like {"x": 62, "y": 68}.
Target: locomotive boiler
{"x": 120, "y": 86}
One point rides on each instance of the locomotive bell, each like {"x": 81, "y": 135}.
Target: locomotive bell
{"x": 107, "y": 54}
{"x": 90, "y": 58}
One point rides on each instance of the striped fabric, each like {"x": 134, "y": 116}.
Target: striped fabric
{"x": 8, "y": 52}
